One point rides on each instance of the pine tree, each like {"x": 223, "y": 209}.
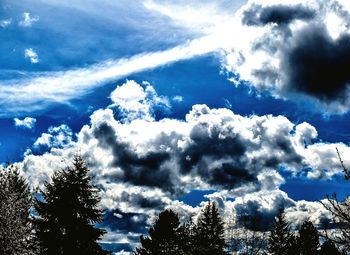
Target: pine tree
{"x": 164, "y": 237}
{"x": 16, "y": 229}
{"x": 68, "y": 212}
{"x": 308, "y": 241}
{"x": 280, "y": 239}
{"x": 209, "y": 232}
{"x": 329, "y": 248}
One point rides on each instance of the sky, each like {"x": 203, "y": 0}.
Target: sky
{"x": 174, "y": 103}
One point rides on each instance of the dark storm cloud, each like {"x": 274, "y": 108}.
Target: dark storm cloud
{"x": 144, "y": 170}
{"x": 279, "y": 14}
{"x": 206, "y": 145}
{"x": 250, "y": 215}
{"x": 138, "y": 200}
{"x": 318, "y": 66}
{"x": 254, "y": 215}
{"x": 229, "y": 174}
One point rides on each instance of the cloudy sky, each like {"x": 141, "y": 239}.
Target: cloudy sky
{"x": 173, "y": 103}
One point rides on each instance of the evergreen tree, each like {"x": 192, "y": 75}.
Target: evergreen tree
{"x": 16, "y": 229}
{"x": 209, "y": 232}
{"x": 308, "y": 241}
{"x": 164, "y": 237}
{"x": 68, "y": 212}
{"x": 280, "y": 239}
{"x": 329, "y": 248}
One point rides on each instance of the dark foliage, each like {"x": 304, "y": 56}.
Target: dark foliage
{"x": 16, "y": 229}
{"x": 308, "y": 241}
{"x": 164, "y": 237}
{"x": 281, "y": 240}
{"x": 329, "y": 248}
{"x": 67, "y": 216}
{"x": 209, "y": 232}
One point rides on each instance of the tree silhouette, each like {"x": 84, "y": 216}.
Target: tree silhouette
{"x": 280, "y": 239}
{"x": 209, "y": 232}
{"x": 164, "y": 237}
{"x": 329, "y": 248}
{"x": 308, "y": 241}
{"x": 68, "y": 213}
{"x": 16, "y": 229}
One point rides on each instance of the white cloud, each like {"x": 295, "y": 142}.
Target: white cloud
{"x": 35, "y": 92}
{"x": 178, "y": 99}
{"x": 146, "y": 162}
{"x": 27, "y": 122}
{"x": 138, "y": 102}
{"x": 5, "y": 23}
{"x": 259, "y": 41}
{"x": 144, "y": 165}
{"x": 28, "y": 20}
{"x": 32, "y": 55}
{"x": 56, "y": 137}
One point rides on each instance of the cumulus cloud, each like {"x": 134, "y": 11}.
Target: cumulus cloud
{"x": 28, "y": 20}
{"x": 295, "y": 50}
{"x": 145, "y": 164}
{"x": 27, "y": 122}
{"x": 56, "y": 137}
{"x": 210, "y": 149}
{"x": 299, "y": 51}
{"x": 137, "y": 101}
{"x": 31, "y": 55}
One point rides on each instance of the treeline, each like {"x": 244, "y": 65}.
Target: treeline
{"x": 62, "y": 219}
{"x": 208, "y": 236}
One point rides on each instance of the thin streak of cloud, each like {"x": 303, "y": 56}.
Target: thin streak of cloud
{"x": 37, "y": 91}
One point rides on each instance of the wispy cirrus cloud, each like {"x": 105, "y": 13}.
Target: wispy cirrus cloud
{"x": 37, "y": 91}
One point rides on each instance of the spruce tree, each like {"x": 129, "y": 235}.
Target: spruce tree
{"x": 280, "y": 239}
{"x": 209, "y": 232}
{"x": 329, "y": 248}
{"x": 68, "y": 212}
{"x": 16, "y": 229}
{"x": 308, "y": 241}
{"x": 164, "y": 237}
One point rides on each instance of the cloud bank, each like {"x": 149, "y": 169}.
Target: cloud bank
{"x": 145, "y": 163}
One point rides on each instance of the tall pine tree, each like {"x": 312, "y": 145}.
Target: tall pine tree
{"x": 16, "y": 229}
{"x": 209, "y": 232}
{"x": 68, "y": 212}
{"x": 164, "y": 237}
{"x": 308, "y": 241}
{"x": 280, "y": 239}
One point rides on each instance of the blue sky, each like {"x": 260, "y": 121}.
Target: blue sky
{"x": 222, "y": 100}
